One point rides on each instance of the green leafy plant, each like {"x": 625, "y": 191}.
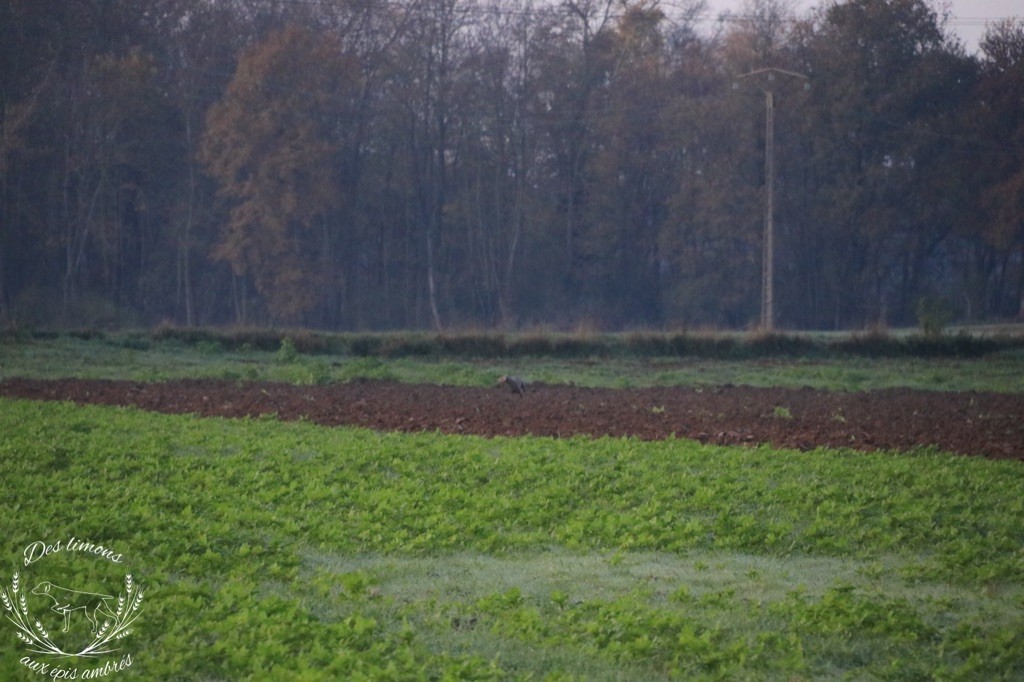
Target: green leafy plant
{"x": 933, "y": 316}
{"x": 288, "y": 352}
{"x": 289, "y": 548}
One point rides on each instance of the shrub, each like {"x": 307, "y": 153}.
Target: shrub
{"x": 288, "y": 352}
{"x": 933, "y": 315}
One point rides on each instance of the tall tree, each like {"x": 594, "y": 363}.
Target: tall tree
{"x": 29, "y": 62}
{"x": 1000, "y": 105}
{"x": 495, "y": 142}
{"x": 714, "y": 246}
{"x": 877, "y": 68}
{"x": 269, "y": 144}
{"x": 434, "y": 51}
{"x": 576, "y": 63}
{"x": 630, "y": 172}
{"x": 200, "y": 51}
{"x": 113, "y": 172}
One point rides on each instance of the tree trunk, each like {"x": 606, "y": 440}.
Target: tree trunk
{"x": 431, "y": 287}
{"x": 185, "y": 241}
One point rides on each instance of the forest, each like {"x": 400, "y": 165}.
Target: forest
{"x": 509, "y": 164}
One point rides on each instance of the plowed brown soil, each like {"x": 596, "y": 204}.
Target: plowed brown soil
{"x": 987, "y": 424}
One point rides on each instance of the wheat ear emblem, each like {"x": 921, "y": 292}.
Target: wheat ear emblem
{"x": 117, "y": 623}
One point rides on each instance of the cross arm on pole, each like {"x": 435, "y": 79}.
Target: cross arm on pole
{"x": 771, "y": 76}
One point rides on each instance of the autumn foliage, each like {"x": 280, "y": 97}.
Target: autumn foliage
{"x": 585, "y": 164}
{"x": 268, "y": 144}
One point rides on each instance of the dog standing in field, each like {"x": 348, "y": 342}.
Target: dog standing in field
{"x": 65, "y": 601}
{"x": 515, "y": 384}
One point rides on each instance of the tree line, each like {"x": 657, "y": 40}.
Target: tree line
{"x": 383, "y": 164}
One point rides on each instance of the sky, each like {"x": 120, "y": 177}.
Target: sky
{"x": 967, "y": 17}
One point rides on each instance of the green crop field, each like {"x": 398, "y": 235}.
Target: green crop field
{"x": 269, "y": 550}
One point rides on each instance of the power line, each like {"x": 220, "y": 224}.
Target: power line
{"x": 529, "y": 9}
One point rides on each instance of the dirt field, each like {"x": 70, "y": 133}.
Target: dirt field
{"x": 986, "y": 424}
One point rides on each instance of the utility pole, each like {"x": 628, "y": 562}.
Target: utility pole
{"x": 768, "y": 81}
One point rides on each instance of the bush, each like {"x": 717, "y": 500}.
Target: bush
{"x": 933, "y": 315}
{"x": 288, "y": 352}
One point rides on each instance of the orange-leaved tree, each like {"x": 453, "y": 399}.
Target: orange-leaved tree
{"x": 270, "y": 144}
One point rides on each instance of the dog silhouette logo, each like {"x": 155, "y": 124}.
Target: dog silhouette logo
{"x": 67, "y": 601}
{"x": 110, "y": 618}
